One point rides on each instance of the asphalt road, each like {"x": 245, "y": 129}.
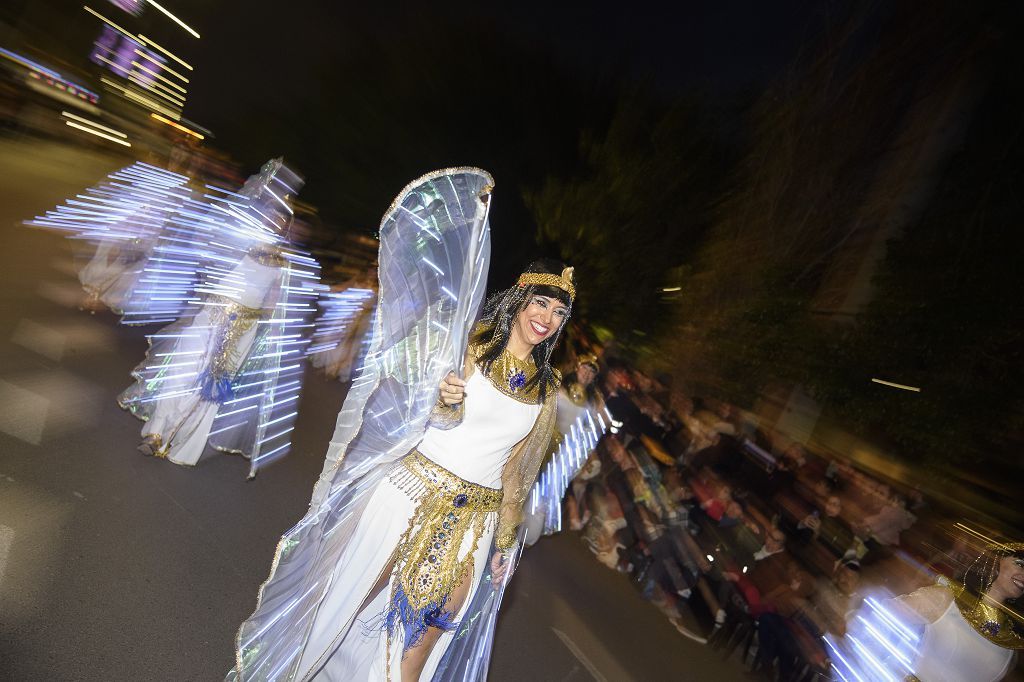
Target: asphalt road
{"x": 115, "y": 566}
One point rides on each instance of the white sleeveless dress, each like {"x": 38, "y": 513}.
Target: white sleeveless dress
{"x": 952, "y": 651}
{"x": 341, "y": 648}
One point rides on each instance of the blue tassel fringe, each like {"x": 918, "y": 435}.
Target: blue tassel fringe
{"x": 416, "y": 621}
{"x": 215, "y": 388}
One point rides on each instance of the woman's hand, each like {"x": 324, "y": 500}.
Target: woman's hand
{"x": 453, "y": 390}
{"x": 499, "y": 565}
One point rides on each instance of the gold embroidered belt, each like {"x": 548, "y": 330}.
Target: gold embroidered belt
{"x": 427, "y": 562}
{"x": 232, "y": 320}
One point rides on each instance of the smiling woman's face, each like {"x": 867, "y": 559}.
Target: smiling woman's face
{"x": 541, "y": 318}
{"x": 1009, "y": 584}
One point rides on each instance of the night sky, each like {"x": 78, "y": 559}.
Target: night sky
{"x": 364, "y": 97}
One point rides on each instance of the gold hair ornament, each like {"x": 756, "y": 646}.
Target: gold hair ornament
{"x": 563, "y": 281}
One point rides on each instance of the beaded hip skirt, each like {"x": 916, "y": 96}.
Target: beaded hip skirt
{"x": 428, "y": 567}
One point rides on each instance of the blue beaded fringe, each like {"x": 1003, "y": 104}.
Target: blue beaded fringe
{"x": 416, "y": 621}
{"x": 215, "y": 388}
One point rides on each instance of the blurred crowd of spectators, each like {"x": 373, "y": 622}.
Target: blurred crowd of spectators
{"x": 746, "y": 540}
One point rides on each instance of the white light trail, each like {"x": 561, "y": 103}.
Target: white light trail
{"x": 98, "y": 134}
{"x": 106, "y": 21}
{"x": 152, "y": 43}
{"x": 163, "y": 66}
{"x": 93, "y": 124}
{"x": 893, "y": 385}
{"x": 173, "y": 18}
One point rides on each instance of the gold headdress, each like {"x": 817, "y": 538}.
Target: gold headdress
{"x": 563, "y": 282}
{"x": 587, "y": 359}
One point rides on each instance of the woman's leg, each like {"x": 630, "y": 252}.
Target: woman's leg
{"x": 415, "y": 658}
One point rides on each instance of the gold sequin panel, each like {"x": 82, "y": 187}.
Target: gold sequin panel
{"x": 232, "y": 320}
{"x": 448, "y": 508}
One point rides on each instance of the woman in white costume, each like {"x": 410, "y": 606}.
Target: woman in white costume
{"x": 221, "y": 374}
{"x": 954, "y": 631}
{"x": 972, "y": 628}
{"x": 117, "y": 226}
{"x": 339, "y": 341}
{"x": 397, "y": 570}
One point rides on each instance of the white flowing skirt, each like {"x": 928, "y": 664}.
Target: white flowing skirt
{"x": 110, "y": 275}
{"x": 347, "y": 641}
{"x": 184, "y": 422}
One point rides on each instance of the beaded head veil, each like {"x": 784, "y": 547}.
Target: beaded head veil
{"x": 542, "y": 278}
{"x": 1000, "y": 622}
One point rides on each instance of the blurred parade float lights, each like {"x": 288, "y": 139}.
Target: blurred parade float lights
{"x": 94, "y": 128}
{"x": 143, "y": 73}
{"x": 50, "y": 83}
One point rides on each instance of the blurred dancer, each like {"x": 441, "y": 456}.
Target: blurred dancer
{"x": 387, "y": 575}
{"x": 578, "y": 393}
{"x": 221, "y": 374}
{"x": 340, "y": 339}
{"x": 966, "y": 629}
{"x": 117, "y": 226}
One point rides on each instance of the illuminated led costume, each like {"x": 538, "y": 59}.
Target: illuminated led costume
{"x": 413, "y": 493}
{"x": 580, "y": 426}
{"x": 947, "y": 632}
{"x": 228, "y": 372}
{"x": 341, "y": 333}
{"x": 118, "y": 227}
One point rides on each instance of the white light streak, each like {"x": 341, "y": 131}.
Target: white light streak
{"x": 902, "y": 386}
{"x": 153, "y": 73}
{"x": 152, "y": 43}
{"x": 93, "y": 124}
{"x": 439, "y": 270}
{"x": 163, "y": 66}
{"x": 98, "y": 134}
{"x": 106, "y": 21}
{"x": 173, "y": 18}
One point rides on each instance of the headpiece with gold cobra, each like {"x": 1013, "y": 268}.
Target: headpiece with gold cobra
{"x": 999, "y": 622}
{"x": 499, "y": 314}
{"x": 563, "y": 281}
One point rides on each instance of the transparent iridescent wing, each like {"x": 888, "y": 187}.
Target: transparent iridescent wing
{"x": 434, "y": 254}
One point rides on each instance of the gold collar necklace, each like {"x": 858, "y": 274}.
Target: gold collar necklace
{"x": 510, "y": 375}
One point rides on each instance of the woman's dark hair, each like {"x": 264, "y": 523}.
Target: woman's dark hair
{"x": 980, "y": 575}
{"x": 500, "y": 312}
